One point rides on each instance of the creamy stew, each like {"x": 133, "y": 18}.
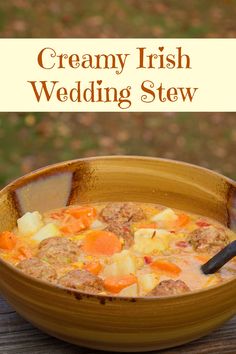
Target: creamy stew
{"x": 122, "y": 249}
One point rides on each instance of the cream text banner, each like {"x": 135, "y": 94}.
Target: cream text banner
{"x": 112, "y": 75}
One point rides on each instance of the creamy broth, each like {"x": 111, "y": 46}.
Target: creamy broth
{"x": 121, "y": 249}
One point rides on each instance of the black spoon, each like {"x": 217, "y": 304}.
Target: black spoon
{"x": 217, "y": 261}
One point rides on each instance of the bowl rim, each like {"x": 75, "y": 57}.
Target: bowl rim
{"x": 100, "y": 297}
{"x": 49, "y": 167}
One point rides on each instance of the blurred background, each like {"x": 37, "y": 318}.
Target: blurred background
{"x": 31, "y": 140}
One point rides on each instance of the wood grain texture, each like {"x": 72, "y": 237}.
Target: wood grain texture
{"x": 18, "y": 336}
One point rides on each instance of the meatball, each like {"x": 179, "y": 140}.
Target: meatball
{"x": 123, "y": 230}
{"x": 38, "y": 269}
{"x": 169, "y": 287}
{"x": 110, "y": 210}
{"x": 82, "y": 280}
{"x": 208, "y": 239}
{"x": 132, "y": 212}
{"x": 58, "y": 251}
{"x": 119, "y": 217}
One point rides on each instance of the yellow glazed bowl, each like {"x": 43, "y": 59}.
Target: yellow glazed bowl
{"x": 109, "y": 323}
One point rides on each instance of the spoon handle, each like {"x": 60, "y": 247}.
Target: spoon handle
{"x": 217, "y": 261}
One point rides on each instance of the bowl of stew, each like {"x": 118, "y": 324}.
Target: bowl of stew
{"x": 106, "y": 252}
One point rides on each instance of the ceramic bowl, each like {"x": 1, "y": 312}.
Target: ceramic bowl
{"x": 110, "y": 323}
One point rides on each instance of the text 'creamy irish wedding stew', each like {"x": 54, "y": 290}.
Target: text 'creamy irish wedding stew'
{"x": 122, "y": 249}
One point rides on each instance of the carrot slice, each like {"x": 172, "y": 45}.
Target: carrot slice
{"x": 71, "y": 225}
{"x": 101, "y": 243}
{"x": 183, "y": 220}
{"x": 80, "y": 212}
{"x": 74, "y": 219}
{"x": 166, "y": 267}
{"x": 8, "y": 240}
{"x": 93, "y": 267}
{"x": 57, "y": 215}
{"x": 116, "y": 284}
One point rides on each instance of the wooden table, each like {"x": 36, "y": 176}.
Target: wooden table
{"x": 19, "y": 337}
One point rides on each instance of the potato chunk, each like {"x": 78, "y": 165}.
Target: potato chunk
{"x": 147, "y": 282}
{"x": 49, "y": 230}
{"x": 122, "y": 263}
{"x": 165, "y": 218}
{"x": 131, "y": 291}
{"x": 111, "y": 270}
{"x": 151, "y": 240}
{"x": 126, "y": 262}
{"x": 29, "y": 223}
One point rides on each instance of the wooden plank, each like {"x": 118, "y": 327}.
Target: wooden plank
{"x": 18, "y": 336}
{"x": 4, "y": 307}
